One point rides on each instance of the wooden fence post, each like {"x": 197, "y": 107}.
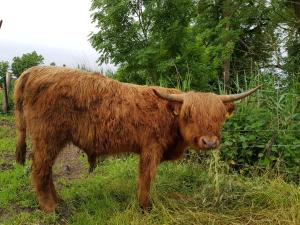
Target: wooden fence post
{"x": 6, "y": 82}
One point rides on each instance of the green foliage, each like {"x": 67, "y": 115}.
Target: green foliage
{"x": 239, "y": 30}
{"x": 3, "y": 68}
{"x": 292, "y": 62}
{"x": 264, "y": 131}
{"x": 20, "y": 64}
{"x": 150, "y": 40}
{"x": 288, "y": 33}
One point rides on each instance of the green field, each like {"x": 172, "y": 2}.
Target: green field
{"x": 184, "y": 192}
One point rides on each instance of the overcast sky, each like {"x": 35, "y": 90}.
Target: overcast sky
{"x": 56, "y": 29}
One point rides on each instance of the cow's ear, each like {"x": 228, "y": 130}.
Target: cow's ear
{"x": 230, "y": 106}
{"x": 187, "y": 115}
{"x": 172, "y": 107}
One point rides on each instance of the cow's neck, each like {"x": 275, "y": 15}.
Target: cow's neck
{"x": 175, "y": 149}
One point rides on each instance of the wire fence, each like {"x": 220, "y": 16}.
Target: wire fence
{"x": 274, "y": 144}
{"x": 262, "y": 146}
{"x": 264, "y": 168}
{"x": 271, "y": 130}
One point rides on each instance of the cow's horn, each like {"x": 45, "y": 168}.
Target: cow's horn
{"x": 235, "y": 97}
{"x": 169, "y": 97}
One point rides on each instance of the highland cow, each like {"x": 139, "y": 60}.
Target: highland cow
{"x": 58, "y": 106}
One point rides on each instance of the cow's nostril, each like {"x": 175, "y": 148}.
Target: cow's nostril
{"x": 208, "y": 142}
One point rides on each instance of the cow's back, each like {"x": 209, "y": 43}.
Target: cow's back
{"x": 53, "y": 98}
{"x": 92, "y": 111}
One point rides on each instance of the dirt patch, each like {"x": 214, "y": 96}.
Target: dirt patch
{"x": 6, "y": 166}
{"x": 69, "y": 164}
{"x": 17, "y": 209}
{"x": 10, "y": 157}
{"x": 13, "y": 210}
{"x": 7, "y": 163}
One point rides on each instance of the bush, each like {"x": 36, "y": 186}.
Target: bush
{"x": 264, "y": 132}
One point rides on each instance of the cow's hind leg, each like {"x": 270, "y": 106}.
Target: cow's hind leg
{"x": 92, "y": 158}
{"x": 43, "y": 159}
{"x": 147, "y": 169}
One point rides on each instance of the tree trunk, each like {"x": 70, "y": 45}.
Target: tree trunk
{"x": 8, "y": 80}
{"x": 5, "y": 97}
{"x": 297, "y": 9}
{"x": 297, "y": 13}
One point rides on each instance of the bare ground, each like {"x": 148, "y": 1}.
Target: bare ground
{"x": 70, "y": 164}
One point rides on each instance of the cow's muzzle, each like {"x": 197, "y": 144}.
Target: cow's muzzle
{"x": 208, "y": 142}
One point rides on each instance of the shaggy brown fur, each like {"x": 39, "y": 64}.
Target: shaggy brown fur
{"x": 57, "y": 106}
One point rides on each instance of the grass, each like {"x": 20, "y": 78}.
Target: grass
{"x": 184, "y": 192}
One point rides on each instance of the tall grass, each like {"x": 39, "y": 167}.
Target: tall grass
{"x": 183, "y": 193}
{"x": 263, "y": 136}
{"x": 264, "y": 133}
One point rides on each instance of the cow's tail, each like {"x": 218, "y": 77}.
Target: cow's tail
{"x": 20, "y": 119}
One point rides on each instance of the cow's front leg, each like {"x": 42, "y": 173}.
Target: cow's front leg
{"x": 147, "y": 170}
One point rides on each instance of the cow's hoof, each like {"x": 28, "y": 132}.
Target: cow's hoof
{"x": 146, "y": 208}
{"x": 48, "y": 208}
{"x": 91, "y": 169}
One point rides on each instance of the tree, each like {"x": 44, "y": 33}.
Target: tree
{"x": 151, "y": 40}
{"x": 239, "y": 34}
{"x": 285, "y": 19}
{"x": 3, "y": 72}
{"x": 20, "y": 64}
{"x": 201, "y": 41}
